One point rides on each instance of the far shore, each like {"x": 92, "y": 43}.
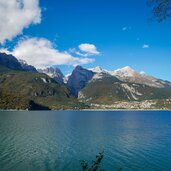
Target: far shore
{"x": 15, "y": 110}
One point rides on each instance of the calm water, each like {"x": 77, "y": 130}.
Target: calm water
{"x": 57, "y": 140}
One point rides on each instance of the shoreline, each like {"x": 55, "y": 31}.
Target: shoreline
{"x": 95, "y": 110}
{"x": 126, "y": 109}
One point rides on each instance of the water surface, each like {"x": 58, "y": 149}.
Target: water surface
{"x": 58, "y": 140}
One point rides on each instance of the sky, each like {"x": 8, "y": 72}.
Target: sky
{"x": 107, "y": 33}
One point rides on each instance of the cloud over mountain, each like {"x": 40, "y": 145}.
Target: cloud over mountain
{"x": 19, "y": 14}
{"x": 41, "y": 53}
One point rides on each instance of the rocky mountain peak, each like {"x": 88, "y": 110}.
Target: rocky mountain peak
{"x": 27, "y": 67}
{"x": 54, "y": 73}
{"x": 97, "y": 69}
{"x": 79, "y": 79}
{"x": 124, "y": 72}
{"x": 127, "y": 74}
{"x": 78, "y": 67}
{"x": 10, "y": 61}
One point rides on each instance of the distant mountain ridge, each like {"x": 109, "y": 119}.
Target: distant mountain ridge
{"x": 78, "y": 79}
{"x": 105, "y": 88}
{"x": 27, "y": 67}
{"x": 54, "y": 73}
{"x": 24, "y": 88}
{"x": 49, "y": 87}
{"x": 127, "y": 74}
{"x": 12, "y": 62}
{"x": 124, "y": 75}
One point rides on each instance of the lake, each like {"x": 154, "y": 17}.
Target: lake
{"x": 58, "y": 140}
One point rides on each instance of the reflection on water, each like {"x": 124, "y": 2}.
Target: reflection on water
{"x": 58, "y": 140}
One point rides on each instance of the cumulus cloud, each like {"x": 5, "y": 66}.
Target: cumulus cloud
{"x": 15, "y": 15}
{"x": 90, "y": 49}
{"x": 146, "y": 46}
{"x": 41, "y": 53}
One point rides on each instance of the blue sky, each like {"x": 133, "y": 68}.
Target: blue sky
{"x": 118, "y": 29}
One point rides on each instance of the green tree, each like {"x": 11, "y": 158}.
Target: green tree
{"x": 96, "y": 164}
{"x": 161, "y": 9}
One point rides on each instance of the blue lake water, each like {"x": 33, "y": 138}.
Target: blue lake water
{"x": 58, "y": 140}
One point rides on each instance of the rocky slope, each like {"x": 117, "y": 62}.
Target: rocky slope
{"x": 79, "y": 79}
{"x": 54, "y": 73}
{"x": 10, "y": 62}
{"x": 125, "y": 84}
{"x": 127, "y": 74}
{"x": 22, "y": 87}
{"x": 109, "y": 90}
{"x": 13, "y": 63}
{"x": 27, "y": 67}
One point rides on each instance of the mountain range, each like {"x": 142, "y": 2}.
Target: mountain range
{"x": 22, "y": 86}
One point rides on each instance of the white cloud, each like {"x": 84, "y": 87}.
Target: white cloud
{"x": 15, "y": 15}
{"x": 41, "y": 53}
{"x": 146, "y": 46}
{"x": 83, "y": 54}
{"x": 90, "y": 49}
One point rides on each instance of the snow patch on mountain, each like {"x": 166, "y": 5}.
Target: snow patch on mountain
{"x": 46, "y": 80}
{"x": 127, "y": 74}
{"x": 97, "y": 69}
{"x": 99, "y": 73}
{"x": 123, "y": 72}
{"x": 66, "y": 77}
{"x": 54, "y": 73}
{"x": 26, "y": 66}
